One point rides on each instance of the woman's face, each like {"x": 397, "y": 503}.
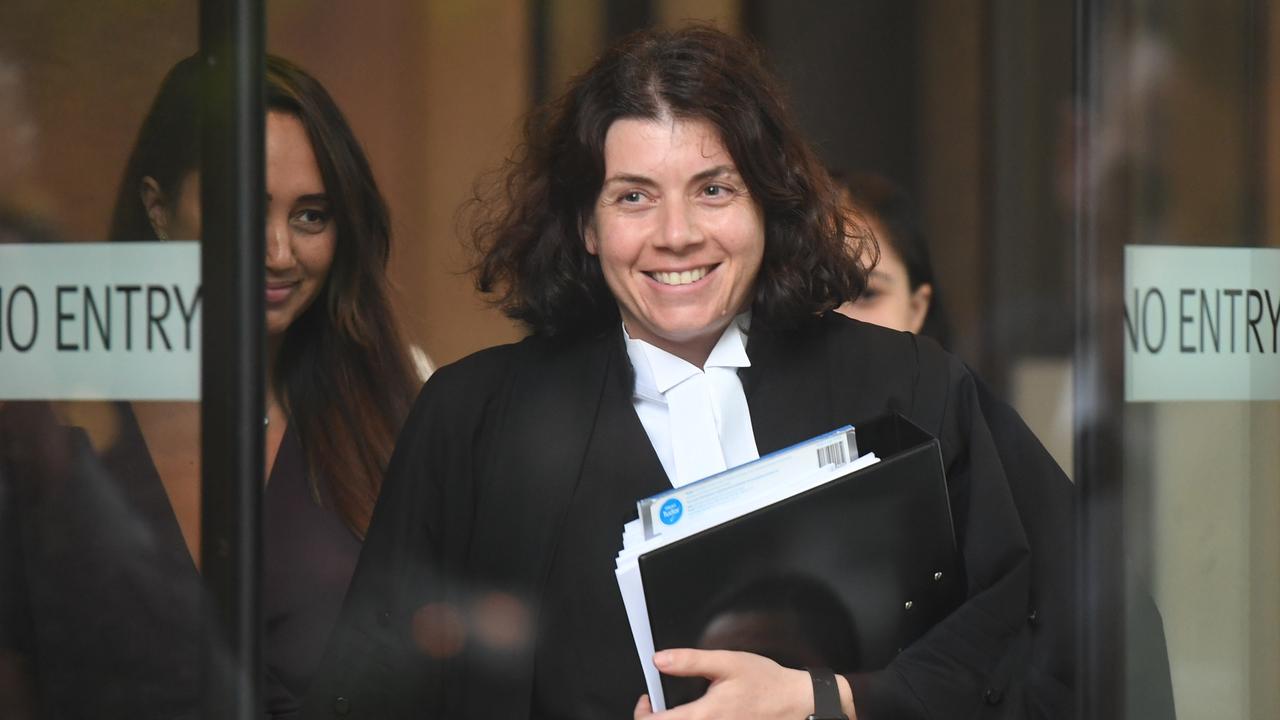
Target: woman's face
{"x": 679, "y": 238}
{"x": 300, "y": 233}
{"x": 889, "y": 299}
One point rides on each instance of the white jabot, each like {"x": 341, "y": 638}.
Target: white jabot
{"x": 697, "y": 420}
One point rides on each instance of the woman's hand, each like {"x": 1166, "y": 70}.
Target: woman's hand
{"x": 743, "y": 685}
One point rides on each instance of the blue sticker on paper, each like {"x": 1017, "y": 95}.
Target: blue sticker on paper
{"x": 671, "y": 512}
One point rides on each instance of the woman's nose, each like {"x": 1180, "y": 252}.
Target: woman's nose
{"x": 279, "y": 249}
{"x": 680, "y": 227}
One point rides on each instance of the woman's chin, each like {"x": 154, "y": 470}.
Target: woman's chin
{"x": 688, "y": 332}
{"x": 277, "y": 322}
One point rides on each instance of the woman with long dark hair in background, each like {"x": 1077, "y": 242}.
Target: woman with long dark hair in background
{"x": 339, "y": 382}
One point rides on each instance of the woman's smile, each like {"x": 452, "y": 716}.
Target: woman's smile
{"x": 278, "y": 292}
{"x": 680, "y": 278}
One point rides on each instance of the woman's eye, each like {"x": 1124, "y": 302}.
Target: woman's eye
{"x": 718, "y": 192}
{"x": 312, "y": 217}
{"x": 631, "y": 197}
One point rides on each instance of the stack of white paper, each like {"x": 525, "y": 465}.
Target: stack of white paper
{"x": 681, "y": 512}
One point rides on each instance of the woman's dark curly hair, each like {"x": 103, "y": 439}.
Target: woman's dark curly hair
{"x": 527, "y": 225}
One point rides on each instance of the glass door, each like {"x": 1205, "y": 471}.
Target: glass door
{"x": 1178, "y": 377}
{"x": 128, "y": 507}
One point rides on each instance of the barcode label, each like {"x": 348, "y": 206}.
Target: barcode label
{"x": 831, "y": 455}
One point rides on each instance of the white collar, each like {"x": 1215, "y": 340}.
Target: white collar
{"x": 657, "y": 370}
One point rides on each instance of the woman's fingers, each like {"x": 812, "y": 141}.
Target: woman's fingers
{"x": 743, "y": 685}
{"x": 643, "y": 709}
{"x": 710, "y": 664}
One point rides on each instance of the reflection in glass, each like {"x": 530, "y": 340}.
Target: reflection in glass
{"x": 795, "y": 620}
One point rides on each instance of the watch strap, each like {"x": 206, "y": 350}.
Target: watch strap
{"x": 826, "y": 696}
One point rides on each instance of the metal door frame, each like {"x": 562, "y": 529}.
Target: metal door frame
{"x": 232, "y": 196}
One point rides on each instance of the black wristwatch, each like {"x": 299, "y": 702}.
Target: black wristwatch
{"x": 826, "y": 696}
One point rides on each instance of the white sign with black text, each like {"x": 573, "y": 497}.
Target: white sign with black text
{"x": 100, "y": 321}
{"x": 1201, "y": 323}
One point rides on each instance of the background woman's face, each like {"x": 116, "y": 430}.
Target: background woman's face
{"x": 679, "y": 238}
{"x": 889, "y": 299}
{"x": 300, "y": 233}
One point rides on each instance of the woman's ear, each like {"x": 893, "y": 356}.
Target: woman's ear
{"x": 919, "y": 306}
{"x": 153, "y": 201}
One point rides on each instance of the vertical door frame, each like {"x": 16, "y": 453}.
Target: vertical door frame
{"x": 232, "y": 188}
{"x": 1098, "y": 389}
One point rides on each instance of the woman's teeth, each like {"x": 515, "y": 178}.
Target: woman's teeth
{"x": 680, "y": 278}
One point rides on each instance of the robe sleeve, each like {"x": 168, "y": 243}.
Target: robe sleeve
{"x": 976, "y": 661}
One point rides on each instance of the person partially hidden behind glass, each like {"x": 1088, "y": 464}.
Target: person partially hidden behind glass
{"x": 101, "y": 555}
{"x": 676, "y": 249}
{"x": 902, "y": 292}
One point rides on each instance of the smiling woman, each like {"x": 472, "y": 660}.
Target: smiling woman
{"x": 328, "y": 316}
{"x": 300, "y": 234}
{"x": 676, "y": 251}
{"x": 339, "y": 383}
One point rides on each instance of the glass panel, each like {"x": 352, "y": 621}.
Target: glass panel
{"x": 100, "y": 590}
{"x": 1181, "y": 156}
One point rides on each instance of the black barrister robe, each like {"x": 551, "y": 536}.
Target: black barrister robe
{"x": 485, "y": 588}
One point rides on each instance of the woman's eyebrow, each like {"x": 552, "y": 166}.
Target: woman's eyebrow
{"x": 308, "y": 198}
{"x": 629, "y": 179}
{"x": 716, "y": 171}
